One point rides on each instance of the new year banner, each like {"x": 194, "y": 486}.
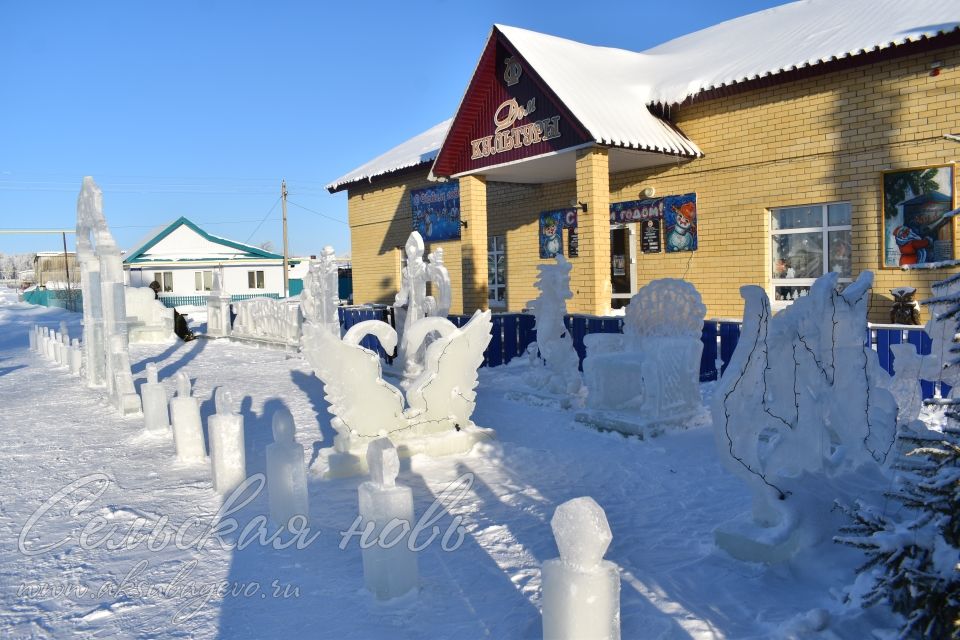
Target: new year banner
{"x": 436, "y": 211}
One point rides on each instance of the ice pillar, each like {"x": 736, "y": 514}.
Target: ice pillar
{"x": 581, "y": 590}
{"x": 76, "y": 357}
{"x": 286, "y": 471}
{"x": 156, "y": 417}
{"x": 389, "y": 565}
{"x": 32, "y": 336}
{"x": 187, "y": 428}
{"x": 227, "y": 457}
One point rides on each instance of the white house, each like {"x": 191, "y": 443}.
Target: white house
{"x": 182, "y": 258}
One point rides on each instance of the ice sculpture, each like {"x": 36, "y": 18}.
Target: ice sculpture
{"x": 148, "y": 320}
{"x": 227, "y": 456}
{"x": 76, "y": 357}
{"x": 581, "y": 590}
{"x": 389, "y": 565}
{"x": 267, "y": 320}
{"x": 658, "y": 353}
{"x": 436, "y": 416}
{"x": 321, "y": 292}
{"x": 156, "y": 417}
{"x": 187, "y": 428}
{"x": 286, "y": 471}
{"x": 561, "y": 373}
{"x": 800, "y": 407}
{"x": 105, "y": 341}
{"x": 909, "y": 368}
{"x": 218, "y": 309}
{"x": 412, "y": 303}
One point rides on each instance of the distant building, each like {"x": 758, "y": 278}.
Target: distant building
{"x": 182, "y": 258}
{"x": 53, "y": 269}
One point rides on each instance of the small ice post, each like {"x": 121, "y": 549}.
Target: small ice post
{"x": 156, "y": 417}
{"x": 581, "y": 590}
{"x": 55, "y": 348}
{"x": 286, "y": 471}
{"x": 76, "y": 357}
{"x": 389, "y": 565}
{"x": 187, "y": 428}
{"x": 32, "y": 336}
{"x": 227, "y": 457}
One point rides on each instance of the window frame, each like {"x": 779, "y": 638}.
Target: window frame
{"x": 165, "y": 280}
{"x": 824, "y": 230}
{"x": 256, "y": 279}
{"x": 203, "y": 280}
{"x": 493, "y": 286}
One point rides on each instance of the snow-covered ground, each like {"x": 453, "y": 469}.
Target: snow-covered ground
{"x": 663, "y": 498}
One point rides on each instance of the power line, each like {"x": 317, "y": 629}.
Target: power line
{"x": 264, "y": 220}
{"x": 322, "y": 215}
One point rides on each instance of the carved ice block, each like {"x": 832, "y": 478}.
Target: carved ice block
{"x": 76, "y": 357}
{"x": 187, "y": 427}
{"x": 286, "y": 471}
{"x": 227, "y": 457}
{"x": 581, "y": 590}
{"x": 389, "y": 566}
{"x": 156, "y": 418}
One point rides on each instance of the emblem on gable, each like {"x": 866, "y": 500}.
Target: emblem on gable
{"x": 512, "y": 71}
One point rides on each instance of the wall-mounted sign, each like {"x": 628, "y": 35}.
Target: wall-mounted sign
{"x": 915, "y": 230}
{"x": 650, "y": 236}
{"x": 679, "y": 215}
{"x": 573, "y": 243}
{"x": 508, "y": 114}
{"x": 551, "y": 233}
{"x": 436, "y": 211}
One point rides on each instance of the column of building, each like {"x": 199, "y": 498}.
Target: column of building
{"x": 473, "y": 243}
{"x": 590, "y": 278}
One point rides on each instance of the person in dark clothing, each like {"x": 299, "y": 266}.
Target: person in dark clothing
{"x": 179, "y": 322}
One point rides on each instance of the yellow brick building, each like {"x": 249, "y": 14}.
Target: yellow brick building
{"x": 787, "y": 162}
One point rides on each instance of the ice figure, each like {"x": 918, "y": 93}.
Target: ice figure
{"x": 227, "y": 457}
{"x": 148, "y": 320}
{"x": 412, "y": 303}
{"x": 658, "y": 353}
{"x": 439, "y": 403}
{"x": 76, "y": 357}
{"x": 187, "y": 428}
{"x": 218, "y": 309}
{"x": 286, "y": 471}
{"x": 909, "y": 368}
{"x": 268, "y": 319}
{"x": 156, "y": 417}
{"x": 389, "y": 565}
{"x": 105, "y": 340}
{"x": 581, "y": 590}
{"x": 321, "y": 292}
{"x": 801, "y": 414}
{"x": 561, "y": 374}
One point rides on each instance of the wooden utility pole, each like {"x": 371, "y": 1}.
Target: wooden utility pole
{"x": 286, "y": 278}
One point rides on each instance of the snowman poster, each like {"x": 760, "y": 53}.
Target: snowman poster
{"x": 551, "y": 233}
{"x": 680, "y": 222}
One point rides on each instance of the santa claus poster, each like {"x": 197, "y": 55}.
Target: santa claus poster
{"x": 916, "y": 229}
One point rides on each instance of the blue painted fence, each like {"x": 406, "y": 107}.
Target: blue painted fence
{"x": 201, "y": 301}
{"x": 513, "y": 333}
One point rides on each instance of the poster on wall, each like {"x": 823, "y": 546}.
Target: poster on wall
{"x": 551, "y": 233}
{"x": 650, "y": 239}
{"x": 436, "y": 211}
{"x": 680, "y": 222}
{"x": 915, "y": 227}
{"x": 573, "y": 243}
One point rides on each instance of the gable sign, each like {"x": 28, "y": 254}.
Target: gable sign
{"x": 508, "y": 114}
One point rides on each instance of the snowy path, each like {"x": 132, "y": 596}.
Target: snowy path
{"x": 663, "y": 499}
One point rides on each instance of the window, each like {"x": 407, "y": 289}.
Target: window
{"x": 203, "y": 280}
{"x": 164, "y": 279}
{"x": 497, "y": 271}
{"x": 806, "y": 243}
{"x": 255, "y": 280}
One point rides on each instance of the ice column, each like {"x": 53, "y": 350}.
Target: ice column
{"x": 76, "y": 357}
{"x": 389, "y": 565}
{"x": 218, "y": 310}
{"x": 156, "y": 417}
{"x": 187, "y": 429}
{"x": 227, "y": 457}
{"x": 32, "y": 336}
{"x": 286, "y": 471}
{"x": 581, "y": 590}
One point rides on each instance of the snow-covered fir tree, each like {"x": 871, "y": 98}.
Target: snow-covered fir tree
{"x": 913, "y": 558}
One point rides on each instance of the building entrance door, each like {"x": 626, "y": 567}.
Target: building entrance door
{"x": 623, "y": 264}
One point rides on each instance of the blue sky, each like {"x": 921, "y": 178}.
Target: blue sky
{"x": 200, "y": 108}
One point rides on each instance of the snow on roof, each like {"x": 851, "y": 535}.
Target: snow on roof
{"x": 417, "y": 150}
{"x": 609, "y": 89}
